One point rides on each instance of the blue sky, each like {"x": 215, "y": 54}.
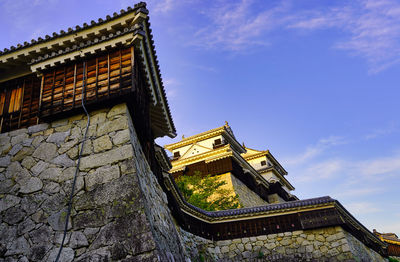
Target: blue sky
{"x": 316, "y": 82}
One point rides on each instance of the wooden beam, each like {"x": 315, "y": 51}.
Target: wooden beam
{"x": 63, "y": 89}
{"x": 21, "y": 104}
{"x": 40, "y": 99}
{"x": 133, "y": 75}
{"x": 108, "y": 73}
{"x": 97, "y": 78}
{"x": 73, "y": 92}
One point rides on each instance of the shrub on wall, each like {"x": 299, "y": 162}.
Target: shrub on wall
{"x": 207, "y": 192}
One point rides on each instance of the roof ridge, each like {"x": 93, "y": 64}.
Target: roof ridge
{"x": 139, "y": 6}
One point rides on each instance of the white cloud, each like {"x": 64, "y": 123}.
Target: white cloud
{"x": 359, "y": 208}
{"x": 235, "y": 26}
{"x": 379, "y": 166}
{"x": 372, "y": 28}
{"x": 382, "y": 132}
{"x": 322, "y": 170}
{"x": 357, "y": 192}
{"x": 315, "y": 150}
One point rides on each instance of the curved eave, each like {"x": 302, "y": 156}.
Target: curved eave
{"x": 282, "y": 178}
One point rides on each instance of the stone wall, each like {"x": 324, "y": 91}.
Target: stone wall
{"x": 119, "y": 210}
{"x": 247, "y": 197}
{"x": 326, "y": 244}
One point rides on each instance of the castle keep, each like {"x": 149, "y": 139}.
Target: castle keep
{"x": 125, "y": 204}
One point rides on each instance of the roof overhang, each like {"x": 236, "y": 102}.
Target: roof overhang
{"x": 130, "y": 27}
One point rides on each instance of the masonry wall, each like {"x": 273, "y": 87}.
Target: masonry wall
{"x": 119, "y": 211}
{"x": 326, "y": 244}
{"x": 246, "y": 196}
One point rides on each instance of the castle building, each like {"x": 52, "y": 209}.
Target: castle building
{"x": 82, "y": 179}
{"x": 393, "y": 242}
{"x": 255, "y": 176}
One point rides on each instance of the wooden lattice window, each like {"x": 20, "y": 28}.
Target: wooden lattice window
{"x": 2, "y": 102}
{"x": 15, "y": 100}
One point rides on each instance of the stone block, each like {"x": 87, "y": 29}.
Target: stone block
{"x": 224, "y": 242}
{"x": 100, "y": 176}
{"x": 58, "y": 137}
{"x": 28, "y": 162}
{"x": 224, "y": 249}
{"x": 51, "y": 188}
{"x": 121, "y": 137}
{"x": 52, "y": 174}
{"x": 18, "y": 139}
{"x": 39, "y": 167}
{"x": 78, "y": 239}
{"x": 37, "y": 128}
{"x": 26, "y": 226}
{"x": 67, "y": 145}
{"x": 270, "y": 246}
{"x": 102, "y": 143}
{"x": 57, "y": 220}
{"x": 106, "y": 158}
{"x": 18, "y": 246}
{"x": 15, "y": 149}
{"x": 63, "y": 160}
{"x": 13, "y": 215}
{"x": 345, "y": 248}
{"x": 119, "y": 123}
{"x": 60, "y": 122}
{"x": 30, "y": 185}
{"x": 262, "y": 238}
{"x": 45, "y": 151}
{"x": 320, "y": 238}
{"x": 9, "y": 201}
{"x": 248, "y": 247}
{"x": 67, "y": 255}
{"x": 117, "y": 110}
{"x": 5, "y": 161}
{"x": 331, "y": 238}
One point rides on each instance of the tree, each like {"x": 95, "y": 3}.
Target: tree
{"x": 206, "y": 192}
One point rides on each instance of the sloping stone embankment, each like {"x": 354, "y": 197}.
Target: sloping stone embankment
{"x": 112, "y": 218}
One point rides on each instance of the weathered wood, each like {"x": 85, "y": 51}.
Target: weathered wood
{"x": 108, "y": 74}
{"x": 73, "y": 95}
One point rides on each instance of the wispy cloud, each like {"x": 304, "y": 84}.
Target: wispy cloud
{"x": 380, "y": 166}
{"x": 369, "y": 28}
{"x": 235, "y": 26}
{"x": 323, "y": 170}
{"x": 357, "y": 192}
{"x": 358, "y": 208}
{"x": 391, "y": 128}
{"x": 372, "y": 28}
{"x": 315, "y": 150}
{"x": 171, "y": 85}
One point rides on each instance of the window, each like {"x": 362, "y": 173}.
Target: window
{"x": 2, "y": 102}
{"x": 15, "y": 100}
{"x": 177, "y": 154}
{"x": 263, "y": 163}
{"x": 217, "y": 141}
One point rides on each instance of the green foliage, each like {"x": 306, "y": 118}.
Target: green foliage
{"x": 198, "y": 189}
{"x": 392, "y": 259}
{"x": 260, "y": 254}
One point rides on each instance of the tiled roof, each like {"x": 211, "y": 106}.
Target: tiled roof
{"x": 77, "y": 28}
{"x": 37, "y": 58}
{"x": 136, "y": 27}
{"x": 266, "y": 208}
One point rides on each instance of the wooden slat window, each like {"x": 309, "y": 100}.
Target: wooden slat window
{"x": 15, "y": 100}
{"x": 108, "y": 75}
{"x": 19, "y": 100}
{"x": 2, "y": 102}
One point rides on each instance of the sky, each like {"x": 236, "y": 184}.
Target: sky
{"x": 315, "y": 82}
